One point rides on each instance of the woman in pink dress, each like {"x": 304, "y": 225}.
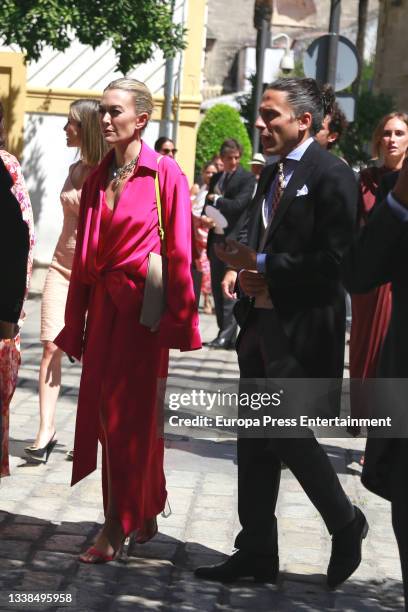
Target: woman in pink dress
{"x": 123, "y": 360}
{"x": 16, "y": 259}
{"x": 83, "y": 132}
{"x": 371, "y": 311}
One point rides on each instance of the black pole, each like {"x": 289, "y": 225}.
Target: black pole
{"x": 166, "y": 127}
{"x": 334, "y": 29}
{"x": 167, "y": 123}
{"x": 262, "y": 44}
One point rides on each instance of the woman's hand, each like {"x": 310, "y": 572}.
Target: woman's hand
{"x": 207, "y": 222}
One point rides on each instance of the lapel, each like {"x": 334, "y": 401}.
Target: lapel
{"x": 304, "y": 169}
{"x": 213, "y": 182}
{"x": 229, "y": 186}
{"x": 255, "y": 215}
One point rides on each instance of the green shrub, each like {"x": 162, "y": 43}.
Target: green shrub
{"x": 221, "y": 122}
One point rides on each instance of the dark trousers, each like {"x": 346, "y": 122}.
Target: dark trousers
{"x": 399, "y": 506}
{"x": 264, "y": 352}
{"x": 224, "y": 307}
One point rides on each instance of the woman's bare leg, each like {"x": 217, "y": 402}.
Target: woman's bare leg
{"x": 49, "y": 385}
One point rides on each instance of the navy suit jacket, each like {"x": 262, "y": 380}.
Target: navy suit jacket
{"x": 14, "y": 248}
{"x": 378, "y": 256}
{"x": 312, "y": 228}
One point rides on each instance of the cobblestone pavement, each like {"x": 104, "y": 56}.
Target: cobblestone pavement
{"x": 44, "y": 523}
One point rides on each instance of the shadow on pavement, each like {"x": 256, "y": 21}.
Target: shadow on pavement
{"x": 16, "y": 449}
{"x": 37, "y": 555}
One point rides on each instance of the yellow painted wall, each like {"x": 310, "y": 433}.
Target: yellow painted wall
{"x": 13, "y": 97}
{"x": 190, "y": 98}
{"x": 58, "y": 101}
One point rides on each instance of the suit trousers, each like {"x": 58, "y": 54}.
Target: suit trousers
{"x": 264, "y": 352}
{"x": 224, "y": 307}
{"x": 399, "y": 505}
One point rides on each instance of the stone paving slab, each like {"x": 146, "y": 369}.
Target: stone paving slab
{"x": 44, "y": 523}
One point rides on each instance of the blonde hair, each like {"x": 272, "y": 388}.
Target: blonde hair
{"x": 142, "y": 96}
{"x": 379, "y": 130}
{"x": 93, "y": 146}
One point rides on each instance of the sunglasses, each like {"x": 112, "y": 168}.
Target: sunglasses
{"x": 168, "y": 151}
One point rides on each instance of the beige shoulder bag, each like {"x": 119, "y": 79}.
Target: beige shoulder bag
{"x": 154, "y": 299}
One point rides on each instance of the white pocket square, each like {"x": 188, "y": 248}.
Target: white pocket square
{"x": 302, "y": 191}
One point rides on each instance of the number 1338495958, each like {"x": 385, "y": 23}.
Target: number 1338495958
{"x": 35, "y": 599}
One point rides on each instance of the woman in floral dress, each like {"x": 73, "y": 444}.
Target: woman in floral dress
{"x": 16, "y": 244}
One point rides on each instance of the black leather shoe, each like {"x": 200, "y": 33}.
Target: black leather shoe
{"x": 221, "y": 343}
{"x": 262, "y": 568}
{"x": 346, "y": 550}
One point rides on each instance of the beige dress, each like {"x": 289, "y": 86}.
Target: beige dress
{"x": 57, "y": 280}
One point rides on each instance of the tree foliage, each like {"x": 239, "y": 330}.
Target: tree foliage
{"x": 247, "y": 104}
{"x": 134, "y": 28}
{"x": 221, "y": 122}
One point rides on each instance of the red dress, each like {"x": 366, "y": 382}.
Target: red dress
{"x": 371, "y": 311}
{"x": 123, "y": 361}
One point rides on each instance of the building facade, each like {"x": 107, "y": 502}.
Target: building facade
{"x": 391, "y": 65}
{"x": 231, "y": 31}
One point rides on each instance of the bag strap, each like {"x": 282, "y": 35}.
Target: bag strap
{"x": 159, "y": 202}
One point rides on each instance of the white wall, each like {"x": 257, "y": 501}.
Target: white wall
{"x": 81, "y": 67}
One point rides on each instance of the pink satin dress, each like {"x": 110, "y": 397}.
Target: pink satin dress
{"x": 57, "y": 280}
{"x": 124, "y": 363}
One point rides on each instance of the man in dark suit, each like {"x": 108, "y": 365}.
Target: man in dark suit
{"x": 230, "y": 192}
{"x": 380, "y": 255}
{"x": 14, "y": 248}
{"x": 292, "y": 319}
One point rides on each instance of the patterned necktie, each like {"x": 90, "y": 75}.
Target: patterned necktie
{"x": 279, "y": 187}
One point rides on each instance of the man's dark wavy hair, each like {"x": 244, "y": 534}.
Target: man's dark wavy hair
{"x": 305, "y": 96}
{"x": 338, "y": 121}
{"x": 230, "y": 145}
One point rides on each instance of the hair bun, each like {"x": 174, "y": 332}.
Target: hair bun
{"x": 328, "y": 99}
